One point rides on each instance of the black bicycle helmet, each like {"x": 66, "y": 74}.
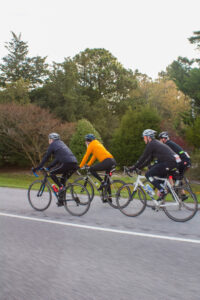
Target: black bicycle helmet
{"x": 54, "y": 136}
{"x": 90, "y": 137}
{"x": 163, "y": 135}
{"x": 149, "y": 132}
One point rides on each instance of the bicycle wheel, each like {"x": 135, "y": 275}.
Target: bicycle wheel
{"x": 111, "y": 190}
{"x": 180, "y": 211}
{"x": 131, "y": 203}
{"x": 77, "y": 199}
{"x": 39, "y": 195}
{"x": 87, "y": 184}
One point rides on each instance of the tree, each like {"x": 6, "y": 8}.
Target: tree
{"x": 17, "y": 64}
{"x": 77, "y": 143}
{"x": 186, "y": 74}
{"x": 127, "y": 144}
{"x": 102, "y": 76}
{"x": 195, "y": 39}
{"x": 17, "y": 92}
{"x": 24, "y": 131}
{"x": 193, "y": 133}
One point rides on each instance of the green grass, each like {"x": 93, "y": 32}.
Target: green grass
{"x": 24, "y": 179}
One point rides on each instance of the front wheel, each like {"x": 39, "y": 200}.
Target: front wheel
{"x": 178, "y": 210}
{"x": 87, "y": 184}
{"x": 77, "y": 199}
{"x": 39, "y": 195}
{"x": 131, "y": 202}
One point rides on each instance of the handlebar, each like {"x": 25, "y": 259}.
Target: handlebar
{"x": 34, "y": 173}
{"x": 127, "y": 171}
{"x": 43, "y": 169}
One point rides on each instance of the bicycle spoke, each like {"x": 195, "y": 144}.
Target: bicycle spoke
{"x": 77, "y": 201}
{"x": 131, "y": 203}
{"x": 39, "y": 195}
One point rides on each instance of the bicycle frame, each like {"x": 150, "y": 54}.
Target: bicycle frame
{"x": 45, "y": 181}
{"x": 166, "y": 184}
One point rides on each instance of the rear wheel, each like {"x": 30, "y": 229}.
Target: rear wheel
{"x": 87, "y": 184}
{"x": 39, "y": 195}
{"x": 131, "y": 203}
{"x": 77, "y": 199}
{"x": 111, "y": 192}
{"x": 178, "y": 210}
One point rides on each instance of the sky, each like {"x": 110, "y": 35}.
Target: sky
{"x": 147, "y": 35}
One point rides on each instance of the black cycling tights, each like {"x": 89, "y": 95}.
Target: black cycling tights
{"x": 159, "y": 170}
{"x": 66, "y": 169}
{"x": 106, "y": 165}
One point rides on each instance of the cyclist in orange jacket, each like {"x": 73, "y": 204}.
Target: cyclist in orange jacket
{"x": 98, "y": 152}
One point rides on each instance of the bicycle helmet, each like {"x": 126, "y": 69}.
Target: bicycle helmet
{"x": 163, "y": 135}
{"x": 149, "y": 132}
{"x": 90, "y": 137}
{"x": 54, "y": 136}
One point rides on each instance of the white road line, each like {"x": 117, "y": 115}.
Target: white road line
{"x": 171, "y": 238}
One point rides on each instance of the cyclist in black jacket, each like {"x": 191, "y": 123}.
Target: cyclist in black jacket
{"x": 166, "y": 158}
{"x": 184, "y": 156}
{"x": 63, "y": 163}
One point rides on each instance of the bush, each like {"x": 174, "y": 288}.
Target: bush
{"x": 127, "y": 143}
{"x": 24, "y": 133}
{"x": 77, "y": 143}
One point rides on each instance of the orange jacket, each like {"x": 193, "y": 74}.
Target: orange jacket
{"x": 98, "y": 151}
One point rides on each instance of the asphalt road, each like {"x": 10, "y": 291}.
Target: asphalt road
{"x": 102, "y": 255}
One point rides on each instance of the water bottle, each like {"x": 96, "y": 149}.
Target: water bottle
{"x": 54, "y": 188}
{"x": 149, "y": 190}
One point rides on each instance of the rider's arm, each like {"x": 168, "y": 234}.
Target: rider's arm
{"x": 92, "y": 160}
{"x": 146, "y": 156}
{"x": 53, "y": 163}
{"x": 45, "y": 157}
{"x": 86, "y": 156}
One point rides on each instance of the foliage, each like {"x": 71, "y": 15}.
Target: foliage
{"x": 186, "y": 74}
{"x": 193, "y": 133}
{"x": 77, "y": 142}
{"x": 17, "y": 64}
{"x": 17, "y": 92}
{"x": 127, "y": 144}
{"x": 24, "y": 130}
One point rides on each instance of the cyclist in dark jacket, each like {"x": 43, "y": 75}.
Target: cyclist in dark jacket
{"x": 63, "y": 163}
{"x": 184, "y": 156}
{"x": 166, "y": 158}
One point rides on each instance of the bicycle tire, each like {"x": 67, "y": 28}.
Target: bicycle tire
{"x": 39, "y": 195}
{"x": 86, "y": 183}
{"x": 77, "y": 199}
{"x": 184, "y": 210}
{"x": 111, "y": 194}
{"x": 131, "y": 203}
{"x": 186, "y": 183}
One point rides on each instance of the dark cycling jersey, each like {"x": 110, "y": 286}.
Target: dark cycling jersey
{"x": 177, "y": 149}
{"x": 159, "y": 151}
{"x": 61, "y": 153}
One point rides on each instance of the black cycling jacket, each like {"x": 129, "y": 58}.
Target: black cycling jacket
{"x": 61, "y": 153}
{"x": 179, "y": 150}
{"x": 159, "y": 151}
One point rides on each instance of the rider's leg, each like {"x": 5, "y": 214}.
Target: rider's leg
{"x": 105, "y": 165}
{"x": 159, "y": 170}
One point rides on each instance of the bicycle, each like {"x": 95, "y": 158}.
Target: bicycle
{"x": 181, "y": 185}
{"x": 76, "y": 199}
{"x": 108, "y": 193}
{"x": 132, "y": 199}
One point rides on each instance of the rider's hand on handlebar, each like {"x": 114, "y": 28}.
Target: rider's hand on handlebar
{"x": 131, "y": 169}
{"x": 34, "y": 170}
